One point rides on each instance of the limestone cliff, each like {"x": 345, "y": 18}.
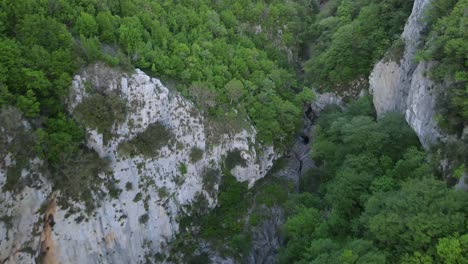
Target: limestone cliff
{"x": 35, "y": 227}
{"x": 401, "y": 84}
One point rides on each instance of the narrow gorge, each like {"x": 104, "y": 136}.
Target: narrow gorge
{"x": 235, "y": 158}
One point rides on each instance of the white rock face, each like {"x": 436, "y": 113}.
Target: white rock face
{"x": 325, "y": 99}
{"x": 420, "y": 106}
{"x": 114, "y": 233}
{"x": 21, "y": 233}
{"x": 403, "y": 86}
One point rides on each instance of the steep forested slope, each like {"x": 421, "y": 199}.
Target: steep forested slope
{"x": 231, "y": 58}
{"x": 348, "y": 37}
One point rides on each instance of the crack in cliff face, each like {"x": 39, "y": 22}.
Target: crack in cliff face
{"x": 302, "y": 151}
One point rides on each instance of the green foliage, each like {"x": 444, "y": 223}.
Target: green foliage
{"x": 183, "y": 169}
{"x": 16, "y": 140}
{"x": 306, "y": 96}
{"x": 81, "y": 178}
{"x": 148, "y": 142}
{"x": 137, "y": 197}
{"x": 225, "y": 222}
{"x": 86, "y": 25}
{"x": 196, "y": 154}
{"x": 228, "y": 227}
{"x": 357, "y": 251}
{"x": 101, "y": 112}
{"x": 348, "y": 41}
{"x": 210, "y": 45}
{"x": 128, "y": 186}
{"x": 458, "y": 172}
{"x": 143, "y": 219}
{"x": 273, "y": 194}
{"x": 28, "y": 104}
{"x": 234, "y": 159}
{"x": 303, "y": 223}
{"x": 59, "y": 142}
{"x": 452, "y": 250}
{"x": 448, "y": 45}
{"x": 339, "y": 135}
{"x": 234, "y": 90}
{"x": 163, "y": 192}
{"x": 414, "y": 218}
{"x": 379, "y": 201}
{"x": 203, "y": 258}
{"x": 211, "y": 179}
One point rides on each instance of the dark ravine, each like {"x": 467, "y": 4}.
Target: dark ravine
{"x": 267, "y": 237}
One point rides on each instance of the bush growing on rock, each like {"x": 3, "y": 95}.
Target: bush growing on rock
{"x": 101, "y": 112}
{"x": 149, "y": 142}
{"x": 183, "y": 169}
{"x": 196, "y": 154}
{"x": 82, "y": 177}
{"x": 17, "y": 140}
{"x": 234, "y": 159}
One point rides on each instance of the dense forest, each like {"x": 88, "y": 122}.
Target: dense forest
{"x": 378, "y": 200}
{"x": 375, "y": 197}
{"x": 231, "y": 58}
{"x": 348, "y": 37}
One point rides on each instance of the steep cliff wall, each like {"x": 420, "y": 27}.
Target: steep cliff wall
{"x": 402, "y": 85}
{"x": 35, "y": 228}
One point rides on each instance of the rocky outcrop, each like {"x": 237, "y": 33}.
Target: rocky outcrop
{"x": 115, "y": 233}
{"x": 403, "y": 86}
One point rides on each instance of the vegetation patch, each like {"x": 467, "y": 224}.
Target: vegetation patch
{"x": 447, "y": 44}
{"x": 183, "y": 169}
{"x": 396, "y": 51}
{"x": 149, "y": 142}
{"x": 18, "y": 142}
{"x": 7, "y": 220}
{"x": 129, "y": 186}
{"x": 211, "y": 178}
{"x": 137, "y": 197}
{"x": 82, "y": 177}
{"x": 143, "y": 219}
{"x": 101, "y": 112}
{"x": 196, "y": 154}
{"x": 376, "y": 190}
{"x": 163, "y": 192}
{"x": 348, "y": 38}
{"x": 272, "y": 194}
{"x": 234, "y": 159}
{"x": 227, "y": 228}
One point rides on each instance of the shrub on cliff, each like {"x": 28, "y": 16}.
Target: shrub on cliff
{"x": 149, "y": 142}
{"x": 101, "y": 112}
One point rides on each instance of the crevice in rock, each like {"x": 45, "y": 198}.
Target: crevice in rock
{"x": 305, "y": 139}
{"x": 267, "y": 237}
